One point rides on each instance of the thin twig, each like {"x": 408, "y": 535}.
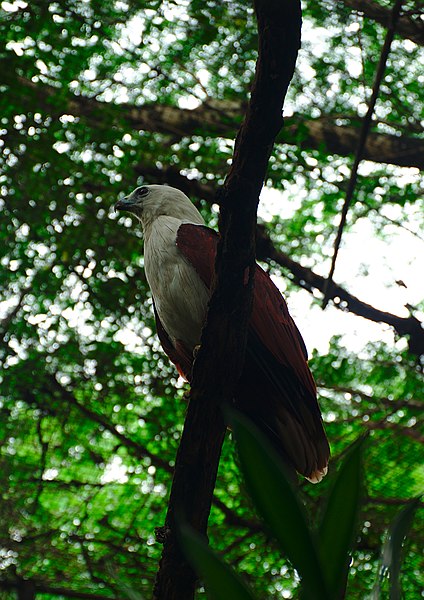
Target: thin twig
{"x": 366, "y": 124}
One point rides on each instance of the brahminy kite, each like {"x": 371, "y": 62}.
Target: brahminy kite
{"x": 276, "y": 389}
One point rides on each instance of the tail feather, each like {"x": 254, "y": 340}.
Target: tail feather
{"x": 285, "y": 410}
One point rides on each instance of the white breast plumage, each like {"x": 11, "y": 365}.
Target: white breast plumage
{"x": 180, "y": 295}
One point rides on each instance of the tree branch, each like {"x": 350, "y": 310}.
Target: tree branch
{"x": 221, "y": 118}
{"x": 323, "y": 133}
{"x": 407, "y": 27}
{"x": 365, "y": 128}
{"x": 393, "y": 405}
{"x": 41, "y": 588}
{"x": 220, "y": 360}
{"x": 389, "y": 501}
{"x": 410, "y": 432}
{"x": 137, "y": 449}
{"x": 342, "y": 299}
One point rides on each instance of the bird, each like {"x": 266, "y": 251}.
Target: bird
{"x": 276, "y": 388}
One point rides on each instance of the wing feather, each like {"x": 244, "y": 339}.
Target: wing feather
{"x": 270, "y": 316}
{"x": 179, "y": 355}
{"x": 277, "y": 388}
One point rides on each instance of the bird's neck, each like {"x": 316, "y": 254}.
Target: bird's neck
{"x": 152, "y": 224}
{"x": 158, "y": 229}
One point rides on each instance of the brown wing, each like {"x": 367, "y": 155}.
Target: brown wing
{"x": 270, "y": 317}
{"x": 178, "y": 354}
{"x": 277, "y": 388}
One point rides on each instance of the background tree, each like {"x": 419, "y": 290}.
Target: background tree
{"x": 99, "y": 97}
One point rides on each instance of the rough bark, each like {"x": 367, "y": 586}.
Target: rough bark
{"x": 220, "y": 360}
{"x": 343, "y": 140}
{"x": 221, "y": 118}
{"x": 410, "y": 27}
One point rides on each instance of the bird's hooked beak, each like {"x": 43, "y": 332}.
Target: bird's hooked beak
{"x": 127, "y": 203}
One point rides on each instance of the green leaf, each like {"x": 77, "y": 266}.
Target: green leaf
{"x": 391, "y": 552}
{"x": 220, "y": 580}
{"x": 127, "y": 590}
{"x": 276, "y": 500}
{"x": 338, "y": 525}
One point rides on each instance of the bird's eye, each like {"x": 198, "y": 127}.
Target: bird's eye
{"x": 143, "y": 191}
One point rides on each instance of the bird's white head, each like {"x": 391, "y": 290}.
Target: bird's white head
{"x": 149, "y": 202}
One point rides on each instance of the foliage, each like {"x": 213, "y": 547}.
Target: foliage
{"x": 391, "y": 554}
{"x": 91, "y": 410}
{"x": 321, "y": 554}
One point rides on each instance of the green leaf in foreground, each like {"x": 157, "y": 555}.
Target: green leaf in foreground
{"x": 220, "y": 580}
{"x": 391, "y": 552}
{"x": 338, "y": 525}
{"x": 126, "y": 590}
{"x": 277, "y": 502}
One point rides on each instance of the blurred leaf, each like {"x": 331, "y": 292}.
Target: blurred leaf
{"x": 278, "y": 503}
{"x": 338, "y": 525}
{"x": 391, "y": 552}
{"x": 220, "y": 580}
{"x": 126, "y": 589}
